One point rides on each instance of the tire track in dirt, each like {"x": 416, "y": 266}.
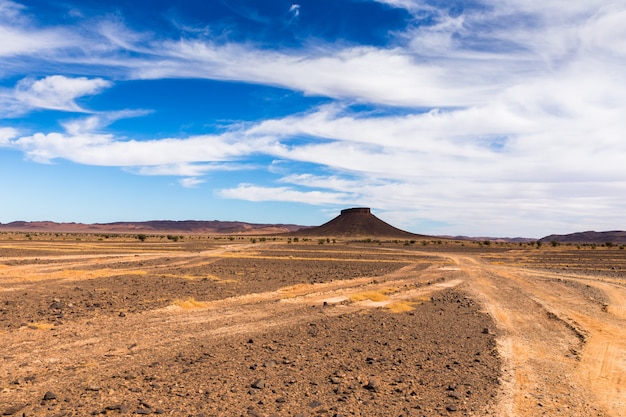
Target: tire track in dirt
{"x": 541, "y": 321}
{"x": 99, "y": 341}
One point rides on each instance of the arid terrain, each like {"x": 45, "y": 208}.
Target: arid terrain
{"x": 240, "y": 326}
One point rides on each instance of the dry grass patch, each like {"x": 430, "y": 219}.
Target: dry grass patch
{"x": 401, "y": 306}
{"x": 189, "y": 304}
{"x": 40, "y": 325}
{"x": 368, "y": 295}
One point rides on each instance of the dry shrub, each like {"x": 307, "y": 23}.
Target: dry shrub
{"x": 368, "y": 295}
{"x": 401, "y": 307}
{"x": 40, "y": 325}
{"x": 189, "y": 304}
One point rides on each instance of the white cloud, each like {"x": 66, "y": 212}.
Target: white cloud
{"x": 294, "y": 9}
{"x": 6, "y": 135}
{"x": 192, "y": 169}
{"x": 58, "y": 92}
{"x": 384, "y": 76}
{"x": 190, "y": 182}
{"x": 251, "y": 192}
{"x": 22, "y": 37}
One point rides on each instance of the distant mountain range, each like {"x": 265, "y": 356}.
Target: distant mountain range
{"x": 615, "y": 236}
{"x": 154, "y": 226}
{"x": 350, "y": 223}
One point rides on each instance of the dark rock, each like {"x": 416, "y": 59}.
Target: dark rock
{"x": 372, "y": 385}
{"x": 13, "y": 409}
{"x": 49, "y": 396}
{"x": 122, "y": 408}
{"x": 270, "y": 364}
{"x": 258, "y": 384}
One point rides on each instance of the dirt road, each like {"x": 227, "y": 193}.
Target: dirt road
{"x": 560, "y": 336}
{"x": 565, "y": 354}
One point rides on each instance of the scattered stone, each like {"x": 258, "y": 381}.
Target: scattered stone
{"x": 49, "y": 396}
{"x": 335, "y": 380}
{"x": 56, "y": 305}
{"x": 258, "y": 384}
{"x": 13, "y": 409}
{"x": 372, "y": 385}
{"x": 122, "y": 408}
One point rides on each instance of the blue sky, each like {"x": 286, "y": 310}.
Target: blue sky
{"x": 484, "y": 117}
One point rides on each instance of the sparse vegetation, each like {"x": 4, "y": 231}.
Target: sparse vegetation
{"x": 401, "y": 307}
{"x": 368, "y": 295}
{"x": 40, "y": 325}
{"x": 189, "y": 303}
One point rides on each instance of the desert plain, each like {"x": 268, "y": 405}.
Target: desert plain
{"x": 94, "y": 324}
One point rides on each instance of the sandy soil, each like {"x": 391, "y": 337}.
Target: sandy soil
{"x": 213, "y": 327}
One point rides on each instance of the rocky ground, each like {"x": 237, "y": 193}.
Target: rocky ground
{"x": 214, "y": 327}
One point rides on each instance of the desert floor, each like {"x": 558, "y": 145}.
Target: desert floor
{"x": 218, "y": 326}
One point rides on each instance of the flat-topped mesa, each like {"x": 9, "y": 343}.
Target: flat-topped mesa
{"x": 365, "y": 210}
{"x": 356, "y": 222}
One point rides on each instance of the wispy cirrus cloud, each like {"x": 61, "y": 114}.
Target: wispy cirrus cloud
{"x": 252, "y": 192}
{"x": 190, "y": 182}
{"x": 21, "y": 36}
